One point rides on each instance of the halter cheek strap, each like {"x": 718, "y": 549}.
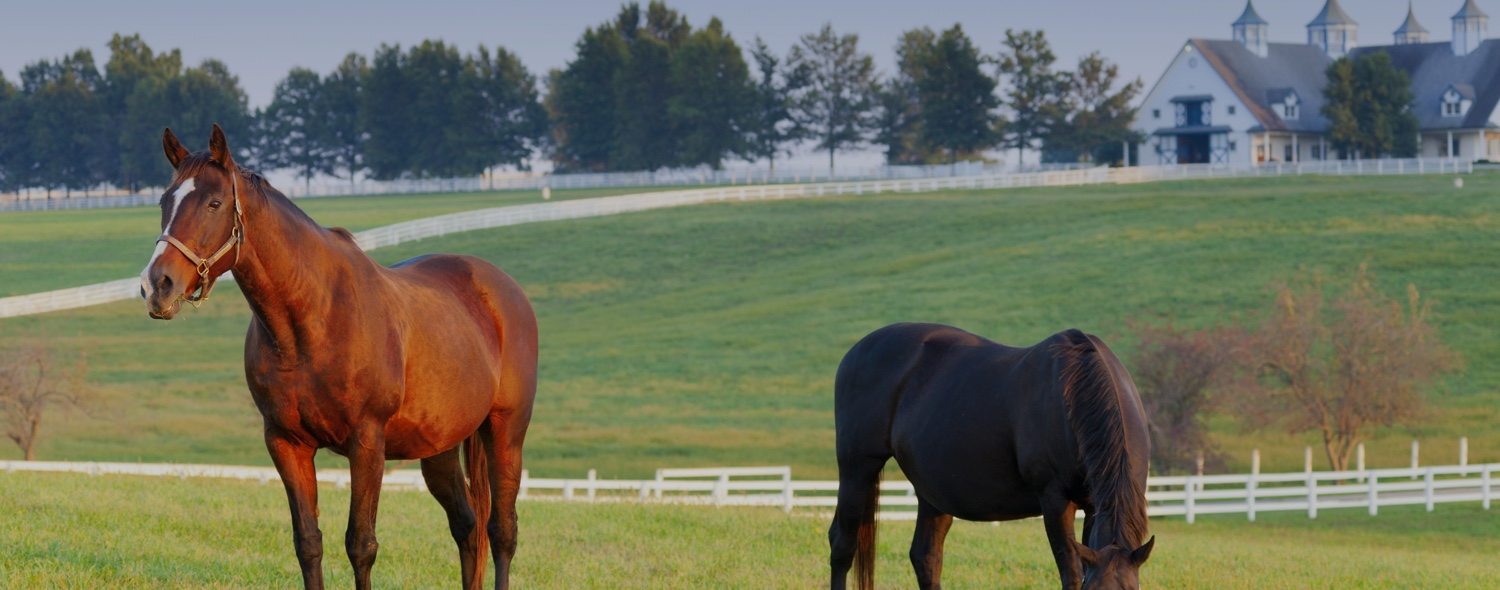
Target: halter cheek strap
{"x": 205, "y": 265}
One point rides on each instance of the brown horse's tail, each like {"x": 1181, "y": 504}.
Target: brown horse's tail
{"x": 479, "y": 495}
{"x": 864, "y": 548}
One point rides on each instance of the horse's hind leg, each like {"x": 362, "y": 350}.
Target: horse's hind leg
{"x": 445, "y": 479}
{"x": 507, "y": 432}
{"x": 927, "y": 545}
{"x": 853, "y": 528}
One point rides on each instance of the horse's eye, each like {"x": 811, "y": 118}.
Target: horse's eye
{"x": 214, "y": 206}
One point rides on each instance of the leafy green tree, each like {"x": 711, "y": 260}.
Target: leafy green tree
{"x": 644, "y": 135}
{"x": 957, "y": 99}
{"x": 343, "y": 95}
{"x": 65, "y": 123}
{"x": 771, "y": 126}
{"x": 712, "y": 106}
{"x": 1033, "y": 93}
{"x": 14, "y": 134}
{"x": 386, "y": 115}
{"x": 1097, "y": 116}
{"x": 205, "y": 95}
{"x": 135, "y": 79}
{"x": 1369, "y": 104}
{"x": 899, "y": 115}
{"x": 435, "y": 74}
{"x": 836, "y": 104}
{"x": 501, "y": 120}
{"x": 292, "y": 134}
{"x": 581, "y": 101}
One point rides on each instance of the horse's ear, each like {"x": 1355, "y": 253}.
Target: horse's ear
{"x": 1086, "y": 554}
{"x": 173, "y": 148}
{"x": 1142, "y": 553}
{"x": 218, "y": 148}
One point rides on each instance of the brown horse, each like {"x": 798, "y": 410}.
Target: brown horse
{"x": 990, "y": 432}
{"x": 408, "y": 362}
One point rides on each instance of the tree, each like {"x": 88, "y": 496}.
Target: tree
{"x": 1174, "y": 369}
{"x": 957, "y": 100}
{"x": 581, "y": 102}
{"x": 1033, "y": 91}
{"x": 1097, "y": 117}
{"x": 135, "y": 79}
{"x": 505, "y": 120}
{"x": 644, "y": 135}
{"x": 31, "y": 383}
{"x": 771, "y": 126}
{"x": 898, "y": 119}
{"x": 343, "y": 91}
{"x": 65, "y": 123}
{"x": 12, "y": 130}
{"x": 205, "y": 95}
{"x": 1340, "y": 365}
{"x": 292, "y": 134}
{"x": 1368, "y": 101}
{"x": 712, "y": 106}
{"x": 836, "y": 104}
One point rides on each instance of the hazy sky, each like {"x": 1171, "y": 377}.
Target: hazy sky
{"x": 261, "y": 40}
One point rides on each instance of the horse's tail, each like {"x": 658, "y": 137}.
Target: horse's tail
{"x": 864, "y": 548}
{"x": 478, "y": 467}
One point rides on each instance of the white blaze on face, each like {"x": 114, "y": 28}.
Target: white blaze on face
{"x": 183, "y": 190}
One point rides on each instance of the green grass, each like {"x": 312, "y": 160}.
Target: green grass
{"x": 45, "y": 250}
{"x": 76, "y": 531}
{"x": 709, "y": 335}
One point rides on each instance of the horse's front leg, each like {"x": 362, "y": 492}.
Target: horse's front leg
{"x": 1057, "y": 515}
{"x": 294, "y": 461}
{"x": 366, "y": 469}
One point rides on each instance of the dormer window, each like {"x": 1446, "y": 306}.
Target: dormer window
{"x": 1456, "y": 100}
{"x": 1285, "y": 102}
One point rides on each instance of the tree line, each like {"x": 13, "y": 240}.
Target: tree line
{"x": 645, "y": 90}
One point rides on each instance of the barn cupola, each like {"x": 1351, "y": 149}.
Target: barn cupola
{"x": 1251, "y": 30}
{"x": 1333, "y": 31}
{"x": 1469, "y": 28}
{"x": 1410, "y": 32}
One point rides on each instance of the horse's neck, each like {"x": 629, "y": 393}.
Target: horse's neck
{"x": 285, "y": 270}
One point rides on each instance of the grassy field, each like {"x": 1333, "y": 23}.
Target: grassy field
{"x": 74, "y": 531}
{"x": 44, "y": 250}
{"x": 708, "y": 335}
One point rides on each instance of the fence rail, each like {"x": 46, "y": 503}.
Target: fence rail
{"x": 1186, "y": 496}
{"x": 418, "y": 229}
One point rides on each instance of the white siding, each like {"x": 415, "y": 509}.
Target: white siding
{"x": 1190, "y": 74}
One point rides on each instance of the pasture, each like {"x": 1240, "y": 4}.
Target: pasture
{"x": 126, "y": 532}
{"x": 708, "y": 335}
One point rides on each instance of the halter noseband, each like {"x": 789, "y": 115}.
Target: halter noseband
{"x": 204, "y": 265}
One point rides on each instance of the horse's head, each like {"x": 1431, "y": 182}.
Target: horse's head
{"x": 1114, "y": 567}
{"x": 201, "y": 222}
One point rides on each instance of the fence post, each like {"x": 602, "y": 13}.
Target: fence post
{"x": 1463, "y": 451}
{"x": 1200, "y": 470}
{"x": 1359, "y": 454}
{"x": 521, "y": 491}
{"x": 1415, "y": 452}
{"x": 1307, "y": 460}
{"x": 1428, "y": 490}
{"x": 721, "y": 490}
{"x": 1484, "y": 482}
{"x": 1250, "y": 485}
{"x": 1312, "y": 496}
{"x": 1371, "y": 497}
{"x": 593, "y": 477}
{"x": 1187, "y": 498}
{"x": 787, "y": 500}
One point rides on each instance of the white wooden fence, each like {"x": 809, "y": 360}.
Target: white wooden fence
{"x": 418, "y": 229}
{"x": 1186, "y": 496}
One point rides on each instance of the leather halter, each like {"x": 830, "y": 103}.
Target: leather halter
{"x": 204, "y": 265}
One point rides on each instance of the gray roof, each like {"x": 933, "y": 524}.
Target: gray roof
{"x": 1433, "y": 68}
{"x": 1286, "y": 68}
{"x": 1410, "y": 25}
{"x": 1470, "y": 10}
{"x": 1333, "y": 14}
{"x": 1278, "y": 95}
{"x": 1249, "y": 16}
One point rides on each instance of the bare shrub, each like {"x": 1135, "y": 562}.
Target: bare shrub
{"x": 1175, "y": 369}
{"x": 32, "y": 381}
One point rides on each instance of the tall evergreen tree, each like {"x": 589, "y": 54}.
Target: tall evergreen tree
{"x": 387, "y": 116}
{"x": 1033, "y": 93}
{"x": 899, "y": 118}
{"x": 771, "y": 125}
{"x": 1369, "y": 101}
{"x": 501, "y": 119}
{"x": 581, "y": 101}
{"x": 65, "y": 123}
{"x": 343, "y": 95}
{"x": 13, "y": 132}
{"x": 205, "y": 95}
{"x": 644, "y": 138}
{"x": 135, "y": 80}
{"x": 836, "y": 104}
{"x": 712, "y": 105}
{"x": 957, "y": 98}
{"x": 292, "y": 134}
{"x": 435, "y": 72}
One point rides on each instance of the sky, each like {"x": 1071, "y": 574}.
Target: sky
{"x": 260, "y": 41}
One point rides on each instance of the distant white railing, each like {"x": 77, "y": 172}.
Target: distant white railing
{"x": 1187, "y": 496}
{"x": 418, "y": 229}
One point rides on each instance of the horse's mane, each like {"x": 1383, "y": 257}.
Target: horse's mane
{"x": 195, "y": 163}
{"x": 1092, "y": 394}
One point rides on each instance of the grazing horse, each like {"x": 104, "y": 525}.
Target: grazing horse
{"x": 989, "y": 432}
{"x": 430, "y": 359}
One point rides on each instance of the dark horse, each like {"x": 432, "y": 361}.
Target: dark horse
{"x": 430, "y": 359}
{"x": 989, "y": 432}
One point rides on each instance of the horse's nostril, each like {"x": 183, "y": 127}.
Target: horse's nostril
{"x": 143, "y": 291}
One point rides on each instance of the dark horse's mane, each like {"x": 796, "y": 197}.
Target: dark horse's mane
{"x": 1092, "y": 396}
{"x": 194, "y": 164}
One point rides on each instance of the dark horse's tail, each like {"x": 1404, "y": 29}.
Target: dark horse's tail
{"x": 479, "y": 495}
{"x": 864, "y": 548}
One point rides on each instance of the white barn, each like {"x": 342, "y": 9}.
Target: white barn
{"x": 1248, "y": 100}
